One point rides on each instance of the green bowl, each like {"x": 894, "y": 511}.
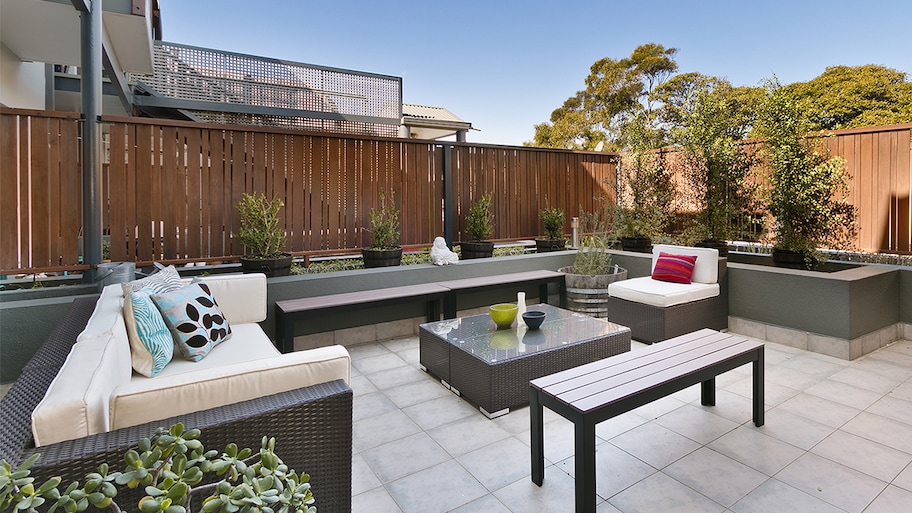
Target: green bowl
{"x": 503, "y": 314}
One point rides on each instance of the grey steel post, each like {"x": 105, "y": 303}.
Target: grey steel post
{"x": 449, "y": 202}
{"x": 90, "y": 28}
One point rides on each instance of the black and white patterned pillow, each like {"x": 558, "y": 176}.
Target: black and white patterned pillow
{"x": 196, "y": 323}
{"x": 163, "y": 281}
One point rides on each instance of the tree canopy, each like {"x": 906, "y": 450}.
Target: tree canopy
{"x": 644, "y": 91}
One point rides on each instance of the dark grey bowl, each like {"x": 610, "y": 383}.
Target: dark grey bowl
{"x": 533, "y": 319}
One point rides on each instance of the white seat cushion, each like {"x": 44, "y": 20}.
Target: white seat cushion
{"x": 248, "y": 339}
{"x": 661, "y": 293}
{"x": 149, "y": 399}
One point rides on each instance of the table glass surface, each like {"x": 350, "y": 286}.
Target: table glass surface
{"x": 479, "y": 336}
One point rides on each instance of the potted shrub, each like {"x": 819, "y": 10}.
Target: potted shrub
{"x": 479, "y": 226}
{"x": 261, "y": 234}
{"x": 644, "y": 193}
{"x": 718, "y": 168}
{"x": 553, "y": 221}
{"x": 588, "y": 278}
{"x": 808, "y": 190}
{"x": 384, "y": 250}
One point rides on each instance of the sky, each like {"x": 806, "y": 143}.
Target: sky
{"x": 504, "y": 66}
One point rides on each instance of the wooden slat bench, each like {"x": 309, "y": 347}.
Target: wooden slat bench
{"x": 443, "y": 293}
{"x": 289, "y": 311}
{"x": 541, "y": 278}
{"x": 598, "y": 391}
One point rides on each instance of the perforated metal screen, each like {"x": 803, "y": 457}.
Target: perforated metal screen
{"x": 276, "y": 93}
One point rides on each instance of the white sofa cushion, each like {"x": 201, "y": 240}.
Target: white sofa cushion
{"x": 151, "y": 399}
{"x": 661, "y": 293}
{"x": 706, "y": 268}
{"x": 240, "y": 297}
{"x": 76, "y": 403}
{"x": 249, "y": 342}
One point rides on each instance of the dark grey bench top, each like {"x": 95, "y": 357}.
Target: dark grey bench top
{"x": 359, "y": 297}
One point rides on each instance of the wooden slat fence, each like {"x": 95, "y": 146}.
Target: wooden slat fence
{"x": 171, "y": 187}
{"x": 40, "y": 190}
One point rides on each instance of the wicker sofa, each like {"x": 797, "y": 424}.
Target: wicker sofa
{"x": 312, "y": 424}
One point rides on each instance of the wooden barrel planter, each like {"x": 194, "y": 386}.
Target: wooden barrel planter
{"x": 548, "y": 245}
{"x": 469, "y": 250}
{"x": 588, "y": 294}
{"x": 271, "y": 267}
{"x": 381, "y": 257}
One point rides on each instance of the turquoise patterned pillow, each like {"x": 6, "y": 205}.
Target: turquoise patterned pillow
{"x": 195, "y": 321}
{"x": 151, "y": 344}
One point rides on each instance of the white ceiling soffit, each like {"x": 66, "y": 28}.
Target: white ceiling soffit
{"x": 49, "y": 31}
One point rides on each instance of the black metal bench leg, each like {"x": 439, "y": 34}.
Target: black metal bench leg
{"x": 543, "y": 293}
{"x": 584, "y": 467}
{"x": 708, "y": 392}
{"x": 758, "y": 391}
{"x": 537, "y": 437}
{"x": 449, "y": 306}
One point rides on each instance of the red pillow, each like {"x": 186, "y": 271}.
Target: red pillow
{"x": 674, "y": 268}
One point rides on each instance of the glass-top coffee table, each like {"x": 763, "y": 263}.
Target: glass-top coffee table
{"x": 492, "y": 368}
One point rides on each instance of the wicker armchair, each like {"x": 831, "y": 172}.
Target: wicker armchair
{"x": 312, "y": 425}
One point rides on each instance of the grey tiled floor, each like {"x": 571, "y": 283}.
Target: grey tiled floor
{"x": 837, "y": 438}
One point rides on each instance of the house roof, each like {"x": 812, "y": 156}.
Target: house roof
{"x": 430, "y": 122}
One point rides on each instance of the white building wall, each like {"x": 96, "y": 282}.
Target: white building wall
{"x": 21, "y": 83}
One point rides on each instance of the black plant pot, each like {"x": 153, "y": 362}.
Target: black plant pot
{"x": 470, "y": 250}
{"x": 381, "y": 257}
{"x": 280, "y": 266}
{"x": 720, "y": 245}
{"x": 636, "y": 244}
{"x": 547, "y": 245}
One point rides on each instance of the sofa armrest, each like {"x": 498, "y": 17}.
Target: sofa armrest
{"x": 312, "y": 426}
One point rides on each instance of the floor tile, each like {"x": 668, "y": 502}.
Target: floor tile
{"x": 415, "y": 392}
{"x": 555, "y": 494}
{"x": 700, "y": 425}
{"x": 831, "y": 482}
{"x": 904, "y": 479}
{"x": 380, "y": 429}
{"x": 819, "y": 367}
{"x": 371, "y": 364}
{"x": 872, "y": 458}
{"x": 886, "y": 431}
{"x": 397, "y": 376}
{"x": 794, "y": 429}
{"x": 893, "y": 408}
{"x": 362, "y": 351}
{"x": 442, "y": 410}
{"x": 618, "y": 425}
{"x": 866, "y": 379}
{"x": 844, "y": 393}
{"x": 467, "y": 434}
{"x": 360, "y": 385}
{"x": 903, "y": 391}
{"x": 654, "y": 444}
{"x": 775, "y": 496}
{"x": 751, "y": 447}
{"x": 363, "y": 478}
{"x": 486, "y": 504}
{"x": 716, "y": 476}
{"x": 371, "y": 405}
{"x": 405, "y": 456}
{"x": 615, "y": 470}
{"x": 891, "y": 500}
{"x": 437, "y": 489}
{"x": 819, "y": 410}
{"x": 659, "y": 492}
{"x": 773, "y": 393}
{"x": 734, "y": 407}
{"x": 499, "y": 464}
{"x": 791, "y": 378}
{"x": 377, "y": 500}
